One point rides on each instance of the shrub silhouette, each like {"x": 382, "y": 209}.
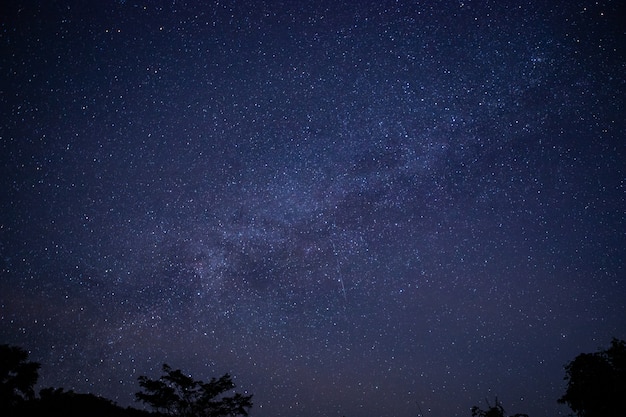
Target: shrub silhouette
{"x": 496, "y": 411}
{"x": 59, "y": 403}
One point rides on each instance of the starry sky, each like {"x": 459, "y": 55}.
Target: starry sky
{"x": 360, "y": 208}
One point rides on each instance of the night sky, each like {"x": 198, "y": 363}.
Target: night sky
{"x": 360, "y": 208}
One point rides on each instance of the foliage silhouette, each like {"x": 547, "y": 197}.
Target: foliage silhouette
{"x": 596, "y": 387}
{"x": 496, "y": 411}
{"x": 176, "y": 394}
{"x": 596, "y": 382}
{"x": 59, "y": 403}
{"x": 17, "y": 377}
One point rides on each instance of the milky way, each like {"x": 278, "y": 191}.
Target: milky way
{"x": 356, "y": 208}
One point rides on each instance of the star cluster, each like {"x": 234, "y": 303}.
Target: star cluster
{"x": 355, "y": 207}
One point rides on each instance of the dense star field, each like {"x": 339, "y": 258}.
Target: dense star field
{"x": 360, "y": 208}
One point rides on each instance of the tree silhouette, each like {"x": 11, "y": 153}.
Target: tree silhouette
{"x": 17, "y": 376}
{"x": 176, "y": 394}
{"x": 496, "y": 411}
{"x": 596, "y": 382}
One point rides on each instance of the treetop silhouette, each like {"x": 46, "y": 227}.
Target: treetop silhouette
{"x": 179, "y": 395}
{"x": 596, "y": 382}
{"x": 17, "y": 376}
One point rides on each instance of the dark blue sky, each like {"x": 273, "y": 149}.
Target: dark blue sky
{"x": 360, "y": 208}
